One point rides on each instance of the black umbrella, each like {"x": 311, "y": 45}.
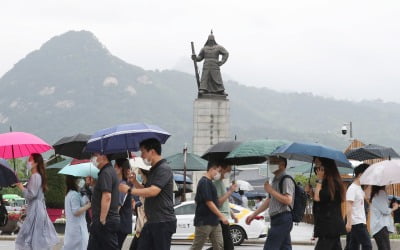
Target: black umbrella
{"x": 72, "y": 146}
{"x": 220, "y": 150}
{"x": 371, "y": 151}
{"x": 7, "y": 175}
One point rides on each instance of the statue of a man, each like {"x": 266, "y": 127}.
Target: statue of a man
{"x": 211, "y": 80}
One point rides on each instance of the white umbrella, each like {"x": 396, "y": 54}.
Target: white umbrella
{"x": 244, "y": 185}
{"x": 382, "y": 173}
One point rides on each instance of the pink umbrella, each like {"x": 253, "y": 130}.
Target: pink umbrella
{"x": 20, "y": 144}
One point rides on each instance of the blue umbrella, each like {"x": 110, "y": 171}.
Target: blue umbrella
{"x": 179, "y": 179}
{"x": 123, "y": 138}
{"x": 306, "y": 151}
{"x": 7, "y": 175}
{"x": 80, "y": 170}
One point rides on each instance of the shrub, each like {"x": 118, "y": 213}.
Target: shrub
{"x": 56, "y": 189}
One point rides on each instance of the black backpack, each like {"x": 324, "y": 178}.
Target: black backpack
{"x": 300, "y": 200}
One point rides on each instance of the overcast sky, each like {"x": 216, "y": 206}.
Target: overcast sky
{"x": 343, "y": 49}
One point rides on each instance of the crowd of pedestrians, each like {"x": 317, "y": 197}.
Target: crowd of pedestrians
{"x": 99, "y": 212}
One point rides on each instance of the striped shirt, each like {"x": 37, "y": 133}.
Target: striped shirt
{"x": 276, "y": 207}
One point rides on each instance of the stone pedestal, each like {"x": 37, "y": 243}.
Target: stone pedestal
{"x": 211, "y": 123}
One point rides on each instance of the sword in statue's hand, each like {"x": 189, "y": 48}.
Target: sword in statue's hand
{"x": 196, "y": 69}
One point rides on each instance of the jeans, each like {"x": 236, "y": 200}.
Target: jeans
{"x": 360, "y": 236}
{"x": 103, "y": 237}
{"x": 382, "y": 239}
{"x": 157, "y": 235}
{"x": 278, "y": 237}
{"x": 201, "y": 234}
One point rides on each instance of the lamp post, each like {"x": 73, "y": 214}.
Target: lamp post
{"x": 344, "y": 129}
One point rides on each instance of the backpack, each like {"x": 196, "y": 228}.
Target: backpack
{"x": 3, "y": 216}
{"x": 300, "y": 200}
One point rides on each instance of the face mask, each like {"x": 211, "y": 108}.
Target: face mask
{"x": 94, "y": 161}
{"x": 139, "y": 178}
{"x": 80, "y": 183}
{"x": 29, "y": 166}
{"x": 146, "y": 162}
{"x": 217, "y": 176}
{"x": 273, "y": 167}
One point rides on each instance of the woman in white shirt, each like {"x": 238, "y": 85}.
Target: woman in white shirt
{"x": 381, "y": 218}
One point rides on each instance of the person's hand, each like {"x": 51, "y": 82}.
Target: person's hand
{"x": 395, "y": 206}
{"x": 320, "y": 172}
{"x": 88, "y": 205}
{"x": 348, "y": 227}
{"x": 19, "y": 185}
{"x": 267, "y": 187}
{"x": 233, "y": 188}
{"x": 224, "y": 220}
{"x": 102, "y": 221}
{"x": 250, "y": 218}
{"x": 123, "y": 188}
{"x": 194, "y": 57}
{"x": 235, "y": 219}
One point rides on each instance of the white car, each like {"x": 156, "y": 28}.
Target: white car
{"x": 240, "y": 231}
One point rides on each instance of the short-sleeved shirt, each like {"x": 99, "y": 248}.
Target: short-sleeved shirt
{"x": 276, "y": 207}
{"x": 221, "y": 190}
{"x": 206, "y": 191}
{"x": 356, "y": 195}
{"x": 160, "y": 208}
{"x": 106, "y": 182}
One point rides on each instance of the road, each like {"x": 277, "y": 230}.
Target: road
{"x": 6, "y": 245}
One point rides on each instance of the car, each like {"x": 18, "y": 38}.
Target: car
{"x": 14, "y": 202}
{"x": 239, "y": 231}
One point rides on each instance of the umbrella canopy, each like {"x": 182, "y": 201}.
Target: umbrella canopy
{"x": 21, "y": 144}
{"x": 305, "y": 169}
{"x": 254, "y": 152}
{"x": 306, "y": 151}
{"x": 125, "y": 137}
{"x": 220, "y": 150}
{"x": 178, "y": 178}
{"x": 80, "y": 170}
{"x": 371, "y": 151}
{"x": 382, "y": 173}
{"x": 244, "y": 185}
{"x": 7, "y": 175}
{"x": 72, "y": 146}
{"x": 193, "y": 162}
{"x": 60, "y": 164}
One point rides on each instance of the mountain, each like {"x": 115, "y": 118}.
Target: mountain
{"x": 74, "y": 84}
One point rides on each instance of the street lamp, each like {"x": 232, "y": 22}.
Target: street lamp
{"x": 344, "y": 129}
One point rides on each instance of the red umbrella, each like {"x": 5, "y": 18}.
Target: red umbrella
{"x": 20, "y": 144}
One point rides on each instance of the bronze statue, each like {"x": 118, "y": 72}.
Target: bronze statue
{"x": 211, "y": 80}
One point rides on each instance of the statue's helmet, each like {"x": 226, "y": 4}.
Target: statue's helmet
{"x": 211, "y": 40}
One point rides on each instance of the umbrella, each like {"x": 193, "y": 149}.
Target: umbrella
{"x": 178, "y": 178}
{"x": 382, "y": 173}
{"x": 21, "y": 144}
{"x": 193, "y": 162}
{"x": 254, "y": 152}
{"x": 125, "y": 137}
{"x": 72, "y": 146}
{"x": 220, "y": 150}
{"x": 306, "y": 168}
{"x": 80, "y": 170}
{"x": 7, "y": 175}
{"x": 306, "y": 151}
{"x": 371, "y": 151}
{"x": 244, "y": 185}
{"x": 58, "y": 165}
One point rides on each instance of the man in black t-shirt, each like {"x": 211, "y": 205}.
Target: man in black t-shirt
{"x": 207, "y": 214}
{"x": 105, "y": 219}
{"x": 158, "y": 192}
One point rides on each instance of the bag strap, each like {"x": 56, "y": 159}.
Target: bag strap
{"x": 281, "y": 184}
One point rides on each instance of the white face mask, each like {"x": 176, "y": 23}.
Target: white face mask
{"x": 273, "y": 167}
{"x": 80, "y": 183}
{"x": 217, "y": 176}
{"x": 94, "y": 161}
{"x": 29, "y": 166}
{"x": 146, "y": 162}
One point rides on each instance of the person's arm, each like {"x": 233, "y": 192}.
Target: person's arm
{"x": 223, "y": 198}
{"x": 151, "y": 191}
{"x": 320, "y": 176}
{"x": 259, "y": 210}
{"x": 380, "y": 203}
{"x": 76, "y": 208}
{"x": 225, "y": 55}
{"x": 105, "y": 206}
{"x": 215, "y": 210}
{"x": 285, "y": 199}
{"x": 349, "y": 205}
{"x": 32, "y": 189}
{"x": 235, "y": 219}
